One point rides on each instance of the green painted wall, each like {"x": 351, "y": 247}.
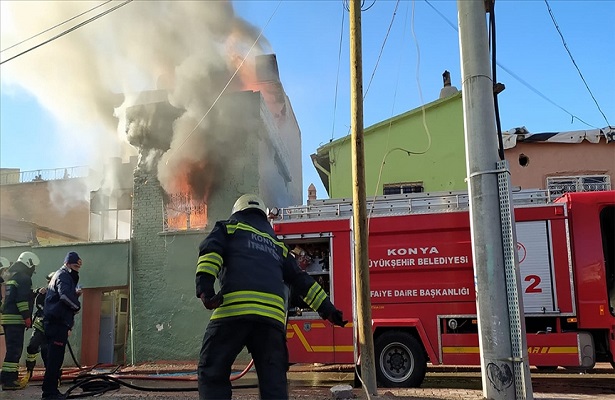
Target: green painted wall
{"x": 168, "y": 320}
{"x": 440, "y": 168}
{"x": 105, "y": 264}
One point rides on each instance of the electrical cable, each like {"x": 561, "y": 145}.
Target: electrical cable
{"x": 347, "y": 7}
{"x": 79, "y": 25}
{"x": 389, "y": 130}
{"x": 574, "y": 62}
{"x": 515, "y": 76}
{"x": 494, "y": 79}
{"x": 381, "y": 50}
{"x": 55, "y": 26}
{"x": 172, "y": 151}
{"x": 337, "y": 77}
{"x": 418, "y": 84}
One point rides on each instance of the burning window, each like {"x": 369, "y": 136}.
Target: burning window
{"x": 183, "y": 212}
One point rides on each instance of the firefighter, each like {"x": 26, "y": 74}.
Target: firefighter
{"x": 17, "y": 316}
{"x": 38, "y": 342}
{"x": 4, "y": 266}
{"x": 253, "y": 267}
{"x": 61, "y": 305}
{"x": 4, "y": 276}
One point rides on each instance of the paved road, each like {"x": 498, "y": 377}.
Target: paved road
{"x": 440, "y": 384}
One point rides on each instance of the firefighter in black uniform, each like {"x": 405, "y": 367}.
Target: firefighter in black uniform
{"x": 253, "y": 267}
{"x": 16, "y": 316}
{"x": 61, "y": 305}
{"x": 38, "y": 342}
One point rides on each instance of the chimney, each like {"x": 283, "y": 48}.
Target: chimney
{"x": 311, "y": 193}
{"x": 447, "y": 90}
{"x": 267, "y": 68}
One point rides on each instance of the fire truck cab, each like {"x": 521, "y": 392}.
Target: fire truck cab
{"x": 423, "y": 298}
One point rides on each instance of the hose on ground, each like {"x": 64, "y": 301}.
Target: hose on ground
{"x": 95, "y": 385}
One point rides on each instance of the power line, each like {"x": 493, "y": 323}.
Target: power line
{"x": 55, "y": 26}
{"x": 171, "y": 152}
{"x": 524, "y": 83}
{"x": 574, "y": 62}
{"x": 381, "y": 49}
{"x": 67, "y": 31}
{"x": 337, "y": 78}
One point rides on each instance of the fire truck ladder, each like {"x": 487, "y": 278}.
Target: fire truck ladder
{"x": 400, "y": 204}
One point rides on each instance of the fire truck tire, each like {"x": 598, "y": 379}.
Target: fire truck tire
{"x": 400, "y": 360}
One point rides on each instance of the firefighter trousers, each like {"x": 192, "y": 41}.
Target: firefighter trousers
{"x": 224, "y": 340}
{"x": 37, "y": 343}
{"x": 14, "y": 338}
{"x": 57, "y": 336}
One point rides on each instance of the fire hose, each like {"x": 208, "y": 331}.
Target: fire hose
{"x": 95, "y": 384}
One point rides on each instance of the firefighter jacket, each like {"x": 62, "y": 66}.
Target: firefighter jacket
{"x": 253, "y": 268}
{"x": 17, "y": 306}
{"x": 37, "y": 316}
{"x": 1, "y": 282}
{"x": 61, "y": 301}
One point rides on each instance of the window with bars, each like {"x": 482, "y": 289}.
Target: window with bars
{"x": 558, "y": 185}
{"x": 183, "y": 212}
{"x": 401, "y": 188}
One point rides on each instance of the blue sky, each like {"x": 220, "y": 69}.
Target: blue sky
{"x": 314, "y": 69}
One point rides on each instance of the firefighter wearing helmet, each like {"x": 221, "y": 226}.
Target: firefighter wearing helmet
{"x": 253, "y": 268}
{"x": 4, "y": 267}
{"x": 17, "y": 316}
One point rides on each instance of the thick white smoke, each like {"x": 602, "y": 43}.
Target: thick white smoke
{"x": 190, "y": 48}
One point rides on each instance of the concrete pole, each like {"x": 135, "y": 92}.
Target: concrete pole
{"x": 494, "y": 324}
{"x": 359, "y": 209}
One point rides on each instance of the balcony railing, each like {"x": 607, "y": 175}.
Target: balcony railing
{"x": 13, "y": 176}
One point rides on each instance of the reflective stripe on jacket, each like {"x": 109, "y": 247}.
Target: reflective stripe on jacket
{"x": 17, "y": 306}
{"x": 253, "y": 268}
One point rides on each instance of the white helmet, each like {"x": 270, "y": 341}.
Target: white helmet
{"x": 30, "y": 259}
{"x": 4, "y": 262}
{"x": 249, "y": 201}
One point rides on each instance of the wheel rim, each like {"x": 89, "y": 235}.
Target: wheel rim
{"x": 397, "y": 362}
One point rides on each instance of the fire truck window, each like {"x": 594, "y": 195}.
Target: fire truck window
{"x": 607, "y": 226}
{"x": 312, "y": 257}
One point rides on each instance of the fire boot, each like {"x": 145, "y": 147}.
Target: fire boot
{"x": 15, "y": 385}
{"x": 26, "y": 378}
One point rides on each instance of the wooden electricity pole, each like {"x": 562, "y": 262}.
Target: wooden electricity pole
{"x": 359, "y": 209}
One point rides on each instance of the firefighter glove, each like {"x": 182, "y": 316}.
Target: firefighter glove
{"x": 211, "y": 302}
{"x": 28, "y": 323}
{"x": 336, "y": 317}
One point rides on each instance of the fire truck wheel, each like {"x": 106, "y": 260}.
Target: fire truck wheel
{"x": 401, "y": 360}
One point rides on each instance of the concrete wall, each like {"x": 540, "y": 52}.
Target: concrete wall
{"x": 167, "y": 319}
{"x": 104, "y": 265}
{"x": 62, "y": 205}
{"x": 547, "y": 159}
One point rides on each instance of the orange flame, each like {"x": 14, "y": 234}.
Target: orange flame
{"x": 183, "y": 209}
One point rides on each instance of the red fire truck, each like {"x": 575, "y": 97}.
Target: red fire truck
{"x": 422, "y": 288}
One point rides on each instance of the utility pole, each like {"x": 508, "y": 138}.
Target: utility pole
{"x": 359, "y": 209}
{"x": 501, "y": 324}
